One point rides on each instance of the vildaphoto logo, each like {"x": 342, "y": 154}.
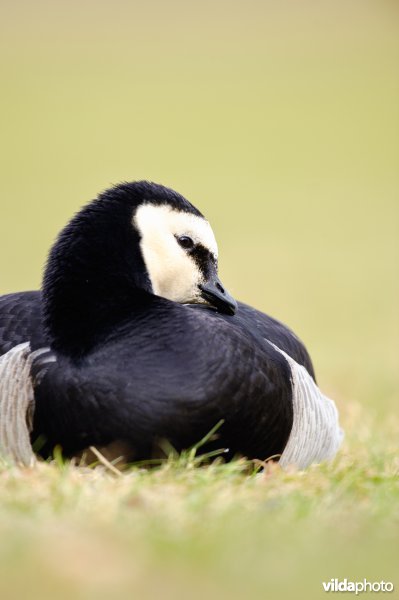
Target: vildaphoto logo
{"x": 357, "y": 587}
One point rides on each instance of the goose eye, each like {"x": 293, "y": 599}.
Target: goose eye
{"x": 185, "y": 242}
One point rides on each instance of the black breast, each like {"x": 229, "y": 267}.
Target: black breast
{"x": 172, "y": 373}
{"x": 167, "y": 372}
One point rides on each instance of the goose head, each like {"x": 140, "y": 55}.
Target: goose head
{"x": 181, "y": 255}
{"x": 134, "y": 242}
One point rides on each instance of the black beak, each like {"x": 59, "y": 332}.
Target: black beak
{"x": 213, "y": 292}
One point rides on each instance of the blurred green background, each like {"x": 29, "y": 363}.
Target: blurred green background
{"x": 279, "y": 120}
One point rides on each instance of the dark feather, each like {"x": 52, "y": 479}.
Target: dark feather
{"x": 134, "y": 367}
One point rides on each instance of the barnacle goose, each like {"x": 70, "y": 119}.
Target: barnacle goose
{"x": 133, "y": 338}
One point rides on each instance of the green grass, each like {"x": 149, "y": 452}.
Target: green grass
{"x": 279, "y": 121}
{"x": 219, "y": 531}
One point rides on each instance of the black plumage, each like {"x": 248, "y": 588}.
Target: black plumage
{"x": 135, "y": 367}
{"x": 21, "y": 321}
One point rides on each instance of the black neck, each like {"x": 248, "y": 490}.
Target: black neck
{"x": 95, "y": 278}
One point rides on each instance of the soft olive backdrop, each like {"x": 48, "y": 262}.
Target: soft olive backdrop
{"x": 279, "y": 120}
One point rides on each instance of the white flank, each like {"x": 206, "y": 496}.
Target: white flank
{"x": 16, "y": 406}
{"x": 316, "y": 435}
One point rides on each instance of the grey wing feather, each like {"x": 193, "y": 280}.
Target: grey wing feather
{"x": 21, "y": 321}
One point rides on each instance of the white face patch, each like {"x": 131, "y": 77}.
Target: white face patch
{"x": 173, "y": 272}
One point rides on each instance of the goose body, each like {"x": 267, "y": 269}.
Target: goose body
{"x": 144, "y": 341}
